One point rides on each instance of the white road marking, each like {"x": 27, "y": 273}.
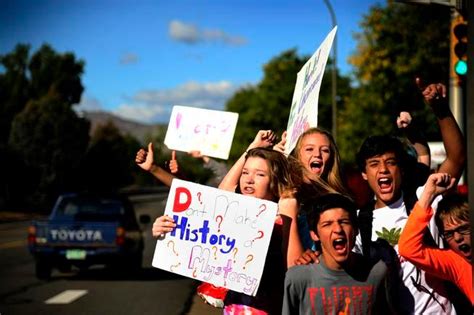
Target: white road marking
{"x": 66, "y": 297}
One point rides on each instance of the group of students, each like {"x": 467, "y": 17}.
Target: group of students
{"x": 328, "y": 257}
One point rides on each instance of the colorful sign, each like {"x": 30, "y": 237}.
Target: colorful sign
{"x": 304, "y": 106}
{"x": 221, "y": 237}
{"x": 209, "y": 131}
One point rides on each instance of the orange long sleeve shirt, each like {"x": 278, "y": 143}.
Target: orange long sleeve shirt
{"x": 442, "y": 263}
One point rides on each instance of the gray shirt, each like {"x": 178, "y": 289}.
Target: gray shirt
{"x": 316, "y": 289}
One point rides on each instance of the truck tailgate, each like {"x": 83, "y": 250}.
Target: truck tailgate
{"x": 76, "y": 234}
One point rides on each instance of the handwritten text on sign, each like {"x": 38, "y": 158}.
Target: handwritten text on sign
{"x": 221, "y": 237}
{"x": 304, "y": 106}
{"x": 208, "y": 131}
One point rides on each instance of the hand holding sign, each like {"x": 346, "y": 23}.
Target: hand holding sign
{"x": 162, "y": 225}
{"x": 212, "y": 232}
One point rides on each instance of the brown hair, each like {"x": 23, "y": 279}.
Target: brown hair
{"x": 453, "y": 208}
{"x": 334, "y": 175}
{"x": 283, "y": 177}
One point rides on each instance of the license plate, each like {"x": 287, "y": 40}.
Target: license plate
{"x": 76, "y": 254}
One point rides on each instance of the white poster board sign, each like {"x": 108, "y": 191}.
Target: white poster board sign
{"x": 221, "y": 237}
{"x": 304, "y": 106}
{"x": 205, "y": 130}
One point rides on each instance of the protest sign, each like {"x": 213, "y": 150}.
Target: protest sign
{"x": 221, "y": 237}
{"x": 304, "y": 106}
{"x": 209, "y": 131}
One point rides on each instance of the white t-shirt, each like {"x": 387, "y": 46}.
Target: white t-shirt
{"x": 388, "y": 223}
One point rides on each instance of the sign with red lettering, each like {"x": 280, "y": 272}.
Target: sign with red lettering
{"x": 195, "y": 129}
{"x": 220, "y": 237}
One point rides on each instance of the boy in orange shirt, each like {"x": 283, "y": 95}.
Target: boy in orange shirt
{"x": 452, "y": 218}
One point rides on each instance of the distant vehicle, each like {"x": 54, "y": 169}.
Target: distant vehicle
{"x": 84, "y": 230}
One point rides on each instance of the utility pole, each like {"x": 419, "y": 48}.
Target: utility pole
{"x": 455, "y": 82}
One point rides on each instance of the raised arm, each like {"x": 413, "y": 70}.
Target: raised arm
{"x": 280, "y": 146}
{"x": 453, "y": 140}
{"x": 145, "y": 160}
{"x": 416, "y": 139}
{"x": 411, "y": 246}
{"x": 264, "y": 138}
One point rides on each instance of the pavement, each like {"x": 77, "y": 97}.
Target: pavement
{"x": 198, "y": 306}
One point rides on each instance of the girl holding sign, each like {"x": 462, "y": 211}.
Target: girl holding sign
{"x": 262, "y": 173}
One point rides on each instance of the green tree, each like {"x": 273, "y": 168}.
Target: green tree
{"x": 40, "y": 134}
{"x": 26, "y": 78}
{"x": 14, "y": 88}
{"x": 58, "y": 73}
{"x": 50, "y": 140}
{"x": 267, "y": 104}
{"x": 398, "y": 42}
{"x": 109, "y": 162}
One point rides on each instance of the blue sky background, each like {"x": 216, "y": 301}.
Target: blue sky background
{"x": 143, "y": 57}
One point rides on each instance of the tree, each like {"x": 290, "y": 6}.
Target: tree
{"x": 58, "y": 73}
{"x": 27, "y": 79}
{"x": 50, "y": 140}
{"x": 41, "y": 138}
{"x": 109, "y": 162}
{"x": 14, "y": 88}
{"x": 267, "y": 104}
{"x": 398, "y": 43}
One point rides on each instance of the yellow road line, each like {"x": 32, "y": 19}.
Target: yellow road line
{"x": 13, "y": 244}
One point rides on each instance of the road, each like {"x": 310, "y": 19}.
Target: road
{"x": 97, "y": 290}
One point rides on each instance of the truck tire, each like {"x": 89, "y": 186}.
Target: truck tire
{"x": 43, "y": 269}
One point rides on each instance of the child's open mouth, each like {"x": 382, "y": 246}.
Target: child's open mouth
{"x": 465, "y": 248}
{"x": 385, "y": 184}
{"x": 316, "y": 166}
{"x": 248, "y": 190}
{"x": 340, "y": 245}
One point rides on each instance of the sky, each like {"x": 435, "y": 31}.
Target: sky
{"x": 143, "y": 57}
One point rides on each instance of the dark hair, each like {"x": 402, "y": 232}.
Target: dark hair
{"x": 313, "y": 208}
{"x": 378, "y": 145}
{"x": 452, "y": 207}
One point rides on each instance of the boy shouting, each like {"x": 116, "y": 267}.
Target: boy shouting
{"x": 344, "y": 282}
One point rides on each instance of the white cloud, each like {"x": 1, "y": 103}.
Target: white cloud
{"x": 191, "y": 34}
{"x": 128, "y": 59}
{"x": 139, "y": 112}
{"x": 182, "y": 32}
{"x": 151, "y": 106}
{"x": 88, "y": 104}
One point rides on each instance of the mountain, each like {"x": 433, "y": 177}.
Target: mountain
{"x": 139, "y": 130}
